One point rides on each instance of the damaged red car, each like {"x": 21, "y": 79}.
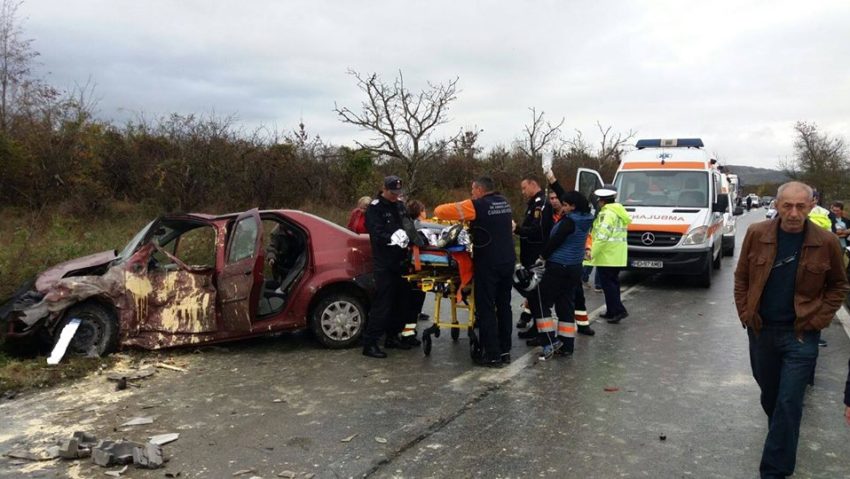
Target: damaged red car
{"x": 197, "y": 279}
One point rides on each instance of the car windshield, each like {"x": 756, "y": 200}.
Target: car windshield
{"x": 686, "y": 189}
{"x": 134, "y": 243}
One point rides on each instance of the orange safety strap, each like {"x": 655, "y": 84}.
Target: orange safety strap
{"x": 464, "y": 264}
{"x": 417, "y": 264}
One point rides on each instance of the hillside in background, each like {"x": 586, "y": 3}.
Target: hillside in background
{"x": 749, "y": 175}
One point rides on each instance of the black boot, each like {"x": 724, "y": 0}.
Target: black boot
{"x": 528, "y": 333}
{"x": 393, "y": 342}
{"x": 586, "y": 330}
{"x": 373, "y": 351}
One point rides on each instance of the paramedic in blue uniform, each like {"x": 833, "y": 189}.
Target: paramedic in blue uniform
{"x": 493, "y": 261}
{"x": 389, "y": 255}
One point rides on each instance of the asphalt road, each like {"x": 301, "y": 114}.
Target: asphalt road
{"x": 666, "y": 393}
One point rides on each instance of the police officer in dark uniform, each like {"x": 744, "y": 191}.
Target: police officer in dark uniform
{"x": 493, "y": 261}
{"x": 531, "y": 241}
{"x": 530, "y": 232}
{"x": 389, "y": 254}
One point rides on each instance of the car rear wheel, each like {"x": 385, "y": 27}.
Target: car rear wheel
{"x": 97, "y": 334}
{"x": 338, "y": 320}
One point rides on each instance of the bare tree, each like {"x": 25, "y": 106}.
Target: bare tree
{"x": 611, "y": 145}
{"x": 16, "y": 56}
{"x": 538, "y": 135}
{"x": 403, "y": 122}
{"x": 820, "y": 161}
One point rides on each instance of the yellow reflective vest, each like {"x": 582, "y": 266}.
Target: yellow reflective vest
{"x": 609, "y": 232}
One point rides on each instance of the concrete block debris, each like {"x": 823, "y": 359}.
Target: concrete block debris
{"x": 77, "y": 446}
{"x": 148, "y": 456}
{"x": 110, "y": 453}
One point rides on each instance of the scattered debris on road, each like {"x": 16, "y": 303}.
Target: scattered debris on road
{"x": 138, "y": 421}
{"x": 65, "y": 337}
{"x": 172, "y": 368}
{"x": 242, "y": 472}
{"x": 380, "y": 440}
{"x": 163, "y": 439}
{"x": 117, "y": 473}
{"x": 286, "y": 474}
{"x": 662, "y": 437}
{"x": 611, "y": 389}
{"x": 349, "y": 438}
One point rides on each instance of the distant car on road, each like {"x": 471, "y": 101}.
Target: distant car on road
{"x": 195, "y": 278}
{"x": 771, "y": 210}
{"x": 766, "y": 201}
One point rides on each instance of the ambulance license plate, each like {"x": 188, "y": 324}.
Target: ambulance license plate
{"x": 642, "y": 263}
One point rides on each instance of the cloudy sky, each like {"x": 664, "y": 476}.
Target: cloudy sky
{"x": 739, "y": 74}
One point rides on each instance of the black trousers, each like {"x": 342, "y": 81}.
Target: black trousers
{"x": 389, "y": 307}
{"x": 493, "y": 284}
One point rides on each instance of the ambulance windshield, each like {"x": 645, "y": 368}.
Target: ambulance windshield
{"x": 683, "y": 189}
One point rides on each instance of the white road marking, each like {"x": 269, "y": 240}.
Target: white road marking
{"x": 499, "y": 376}
{"x": 844, "y": 319}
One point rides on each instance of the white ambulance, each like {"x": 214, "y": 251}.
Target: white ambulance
{"x": 673, "y": 193}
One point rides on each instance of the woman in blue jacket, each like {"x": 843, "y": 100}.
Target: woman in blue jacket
{"x": 563, "y": 255}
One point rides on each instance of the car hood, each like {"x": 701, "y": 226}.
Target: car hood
{"x": 48, "y": 278}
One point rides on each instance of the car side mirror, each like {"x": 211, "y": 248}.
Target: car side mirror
{"x": 738, "y": 211}
{"x": 722, "y": 204}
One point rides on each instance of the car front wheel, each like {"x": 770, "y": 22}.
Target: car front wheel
{"x": 97, "y": 334}
{"x": 338, "y": 320}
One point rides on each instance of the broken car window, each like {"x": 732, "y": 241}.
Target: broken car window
{"x": 244, "y": 240}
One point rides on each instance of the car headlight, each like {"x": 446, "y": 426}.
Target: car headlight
{"x": 697, "y": 235}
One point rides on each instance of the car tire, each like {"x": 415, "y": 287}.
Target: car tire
{"x": 728, "y": 248}
{"x": 97, "y": 333}
{"x": 716, "y": 263}
{"x": 704, "y": 278}
{"x": 338, "y": 320}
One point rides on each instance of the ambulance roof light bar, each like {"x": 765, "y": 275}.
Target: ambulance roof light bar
{"x": 673, "y": 142}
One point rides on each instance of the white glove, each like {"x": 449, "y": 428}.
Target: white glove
{"x": 400, "y": 239}
{"x": 550, "y": 176}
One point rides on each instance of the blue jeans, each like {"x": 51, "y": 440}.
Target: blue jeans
{"x": 782, "y": 366}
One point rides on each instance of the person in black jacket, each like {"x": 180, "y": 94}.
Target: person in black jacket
{"x": 389, "y": 255}
{"x": 530, "y": 232}
{"x": 493, "y": 256}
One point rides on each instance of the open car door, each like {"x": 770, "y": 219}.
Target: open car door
{"x": 241, "y": 279}
{"x": 588, "y": 181}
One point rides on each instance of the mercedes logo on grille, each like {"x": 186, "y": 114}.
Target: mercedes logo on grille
{"x": 647, "y": 238}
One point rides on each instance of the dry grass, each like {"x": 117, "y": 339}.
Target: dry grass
{"x": 18, "y": 374}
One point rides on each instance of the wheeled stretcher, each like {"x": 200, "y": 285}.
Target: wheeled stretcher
{"x": 446, "y": 272}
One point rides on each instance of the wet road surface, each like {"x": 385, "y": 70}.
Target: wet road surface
{"x": 676, "y": 368}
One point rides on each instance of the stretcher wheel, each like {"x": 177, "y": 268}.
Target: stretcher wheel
{"x": 426, "y": 345}
{"x": 436, "y": 331}
{"x": 455, "y": 334}
{"x": 475, "y": 351}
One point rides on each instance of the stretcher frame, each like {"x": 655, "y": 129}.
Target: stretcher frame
{"x": 445, "y": 282}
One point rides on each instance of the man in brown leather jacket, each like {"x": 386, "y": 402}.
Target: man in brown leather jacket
{"x": 789, "y": 283}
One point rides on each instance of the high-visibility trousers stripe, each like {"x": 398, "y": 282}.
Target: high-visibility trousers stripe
{"x": 409, "y": 329}
{"x": 567, "y": 329}
{"x": 545, "y": 325}
{"x": 581, "y": 318}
